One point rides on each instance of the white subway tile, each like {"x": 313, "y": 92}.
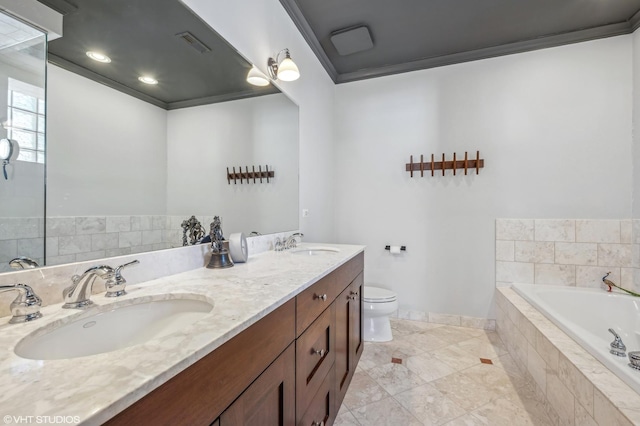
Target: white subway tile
{"x": 534, "y": 252}
{"x": 152, "y": 237}
{"x": 515, "y": 272}
{"x": 555, "y": 274}
{"x": 591, "y": 276}
{"x": 61, "y": 226}
{"x": 51, "y": 246}
{"x": 8, "y": 250}
{"x": 141, "y": 223}
{"x": 90, "y": 255}
{"x": 576, "y": 254}
{"x": 626, "y": 231}
{"x": 615, "y": 254}
{"x": 74, "y": 244}
{"x": 90, "y": 225}
{"x": 505, "y": 250}
{"x": 562, "y": 230}
{"x": 15, "y": 228}
{"x": 130, "y": 239}
{"x": 31, "y": 247}
{"x": 598, "y": 231}
{"x": 104, "y": 241}
{"x": 118, "y": 224}
{"x": 514, "y": 229}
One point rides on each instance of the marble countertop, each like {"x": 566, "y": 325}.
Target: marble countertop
{"x": 92, "y": 389}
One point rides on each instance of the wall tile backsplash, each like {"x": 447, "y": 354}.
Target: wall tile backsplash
{"x": 574, "y": 252}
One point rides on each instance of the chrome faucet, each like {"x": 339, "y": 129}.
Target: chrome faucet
{"x": 23, "y": 262}
{"x": 292, "y": 241}
{"x": 617, "y": 347}
{"x": 77, "y": 295}
{"x": 25, "y": 307}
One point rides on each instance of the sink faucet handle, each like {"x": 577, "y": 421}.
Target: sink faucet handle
{"x": 617, "y": 346}
{"x": 25, "y": 307}
{"x": 116, "y": 285}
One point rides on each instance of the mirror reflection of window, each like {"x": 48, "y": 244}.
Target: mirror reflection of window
{"x": 26, "y": 120}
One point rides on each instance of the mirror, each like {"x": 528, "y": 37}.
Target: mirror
{"x": 126, "y": 164}
{"x": 22, "y": 82}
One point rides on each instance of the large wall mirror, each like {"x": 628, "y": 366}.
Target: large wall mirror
{"x": 127, "y": 162}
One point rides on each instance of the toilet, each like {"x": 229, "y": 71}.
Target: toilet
{"x": 379, "y": 303}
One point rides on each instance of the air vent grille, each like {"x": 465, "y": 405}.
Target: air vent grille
{"x": 192, "y": 41}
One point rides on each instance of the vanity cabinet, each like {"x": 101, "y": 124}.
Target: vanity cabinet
{"x": 291, "y": 367}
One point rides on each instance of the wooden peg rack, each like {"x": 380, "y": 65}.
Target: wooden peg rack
{"x": 433, "y": 166}
{"x": 249, "y": 175}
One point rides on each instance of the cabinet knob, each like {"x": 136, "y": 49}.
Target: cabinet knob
{"x": 320, "y": 352}
{"x": 354, "y": 295}
{"x": 323, "y": 297}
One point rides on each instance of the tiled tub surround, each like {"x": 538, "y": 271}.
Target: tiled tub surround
{"x": 75, "y": 239}
{"x": 48, "y": 282}
{"x": 575, "y": 252}
{"x": 107, "y": 383}
{"x": 575, "y": 387}
{"x": 21, "y": 236}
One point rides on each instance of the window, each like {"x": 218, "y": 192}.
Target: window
{"x": 26, "y": 120}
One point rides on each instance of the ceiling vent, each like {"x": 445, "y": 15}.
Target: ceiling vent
{"x": 192, "y": 41}
{"x": 352, "y": 40}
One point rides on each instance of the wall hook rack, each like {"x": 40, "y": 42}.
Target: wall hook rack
{"x": 249, "y": 175}
{"x": 466, "y": 164}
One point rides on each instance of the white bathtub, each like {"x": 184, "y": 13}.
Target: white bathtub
{"x": 586, "y": 315}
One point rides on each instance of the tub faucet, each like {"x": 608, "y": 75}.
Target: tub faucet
{"x": 77, "y": 295}
{"x": 25, "y": 307}
{"x": 617, "y": 347}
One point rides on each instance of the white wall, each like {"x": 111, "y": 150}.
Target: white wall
{"x": 258, "y": 29}
{"x": 554, "y": 128}
{"x": 250, "y": 132}
{"x": 106, "y": 151}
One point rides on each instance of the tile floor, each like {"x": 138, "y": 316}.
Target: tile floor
{"x": 432, "y": 374}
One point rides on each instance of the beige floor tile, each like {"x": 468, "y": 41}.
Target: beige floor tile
{"x": 429, "y": 405}
{"x": 402, "y": 346}
{"x": 502, "y": 412}
{"x": 494, "y": 378}
{"x": 509, "y": 365}
{"x": 465, "y": 391}
{"x": 404, "y": 327}
{"x": 345, "y": 418}
{"x": 374, "y": 355}
{"x": 456, "y": 357}
{"x": 427, "y": 341}
{"x": 483, "y": 347}
{"x": 363, "y": 390}
{"x": 428, "y": 367}
{"x": 453, "y": 334}
{"x": 466, "y": 420}
{"x": 395, "y": 378}
{"x": 387, "y": 412}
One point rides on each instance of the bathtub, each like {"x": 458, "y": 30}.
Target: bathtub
{"x": 586, "y": 314}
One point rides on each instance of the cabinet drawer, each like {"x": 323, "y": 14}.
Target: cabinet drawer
{"x": 315, "y": 355}
{"x": 321, "y": 407}
{"x": 312, "y": 301}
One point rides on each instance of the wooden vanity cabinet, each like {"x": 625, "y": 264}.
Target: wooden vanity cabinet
{"x": 292, "y": 367}
{"x": 349, "y": 332}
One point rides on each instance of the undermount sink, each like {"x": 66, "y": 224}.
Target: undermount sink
{"x": 112, "y": 327}
{"x": 315, "y": 251}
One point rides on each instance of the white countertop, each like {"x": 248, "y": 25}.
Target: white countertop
{"x": 92, "y": 389}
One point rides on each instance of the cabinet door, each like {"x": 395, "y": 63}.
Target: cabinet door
{"x": 270, "y": 400}
{"x": 349, "y": 342}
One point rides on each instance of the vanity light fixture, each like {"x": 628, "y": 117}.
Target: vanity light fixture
{"x": 147, "y": 80}
{"x": 285, "y": 70}
{"x": 257, "y": 77}
{"x": 97, "y": 56}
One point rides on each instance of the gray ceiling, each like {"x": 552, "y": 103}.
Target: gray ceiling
{"x": 140, "y": 38}
{"x": 417, "y": 34}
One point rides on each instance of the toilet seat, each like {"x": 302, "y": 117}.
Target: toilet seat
{"x": 378, "y": 295}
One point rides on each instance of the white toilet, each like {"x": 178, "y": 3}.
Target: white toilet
{"x": 379, "y": 303}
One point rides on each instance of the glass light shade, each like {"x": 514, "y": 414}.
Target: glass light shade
{"x": 6, "y": 149}
{"x": 97, "y": 56}
{"x": 288, "y": 70}
{"x": 257, "y": 78}
{"x": 148, "y": 80}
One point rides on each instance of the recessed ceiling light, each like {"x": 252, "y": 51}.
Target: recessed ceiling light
{"x": 99, "y": 57}
{"x": 148, "y": 80}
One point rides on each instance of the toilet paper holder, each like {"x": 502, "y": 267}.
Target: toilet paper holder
{"x": 403, "y": 248}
